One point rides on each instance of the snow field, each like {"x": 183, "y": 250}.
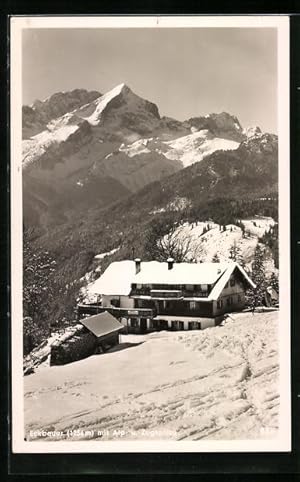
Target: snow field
{"x": 188, "y": 149}
{"x": 217, "y": 383}
{"x": 37, "y": 145}
{"x": 216, "y": 241}
{"x": 194, "y": 147}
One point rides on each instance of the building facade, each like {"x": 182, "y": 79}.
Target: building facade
{"x": 151, "y": 296}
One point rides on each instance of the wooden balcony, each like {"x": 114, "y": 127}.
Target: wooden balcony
{"x": 83, "y": 310}
{"x": 195, "y": 294}
{"x": 203, "y": 311}
{"x": 166, "y": 294}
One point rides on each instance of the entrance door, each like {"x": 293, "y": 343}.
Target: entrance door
{"x": 143, "y": 325}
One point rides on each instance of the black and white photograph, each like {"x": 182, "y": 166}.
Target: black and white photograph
{"x": 150, "y": 234}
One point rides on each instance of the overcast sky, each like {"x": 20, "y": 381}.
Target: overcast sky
{"x": 186, "y": 72}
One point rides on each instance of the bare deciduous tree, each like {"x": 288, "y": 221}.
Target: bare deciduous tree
{"x": 179, "y": 245}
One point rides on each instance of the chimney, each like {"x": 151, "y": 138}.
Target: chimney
{"x": 137, "y": 265}
{"x": 170, "y": 262}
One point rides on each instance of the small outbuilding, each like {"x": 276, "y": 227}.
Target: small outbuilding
{"x": 105, "y": 328}
{"x": 96, "y": 334}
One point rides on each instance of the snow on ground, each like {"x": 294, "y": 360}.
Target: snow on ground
{"x": 108, "y": 253}
{"x": 40, "y": 356}
{"x": 179, "y": 203}
{"x": 257, "y": 226}
{"x": 136, "y": 148}
{"x": 187, "y": 149}
{"x": 87, "y": 293}
{"x": 194, "y": 147}
{"x": 216, "y": 241}
{"x": 219, "y": 383}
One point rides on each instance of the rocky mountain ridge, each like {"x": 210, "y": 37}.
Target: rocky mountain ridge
{"x": 40, "y": 113}
{"x": 77, "y": 142}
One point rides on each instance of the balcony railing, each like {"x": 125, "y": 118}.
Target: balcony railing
{"x": 195, "y": 294}
{"x": 203, "y": 311}
{"x": 117, "y": 312}
{"x": 167, "y": 294}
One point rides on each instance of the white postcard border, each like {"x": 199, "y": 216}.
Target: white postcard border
{"x": 283, "y": 442}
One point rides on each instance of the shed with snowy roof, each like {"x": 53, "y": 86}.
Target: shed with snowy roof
{"x": 105, "y": 328}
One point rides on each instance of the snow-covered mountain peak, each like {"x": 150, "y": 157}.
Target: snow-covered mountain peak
{"x": 118, "y": 105}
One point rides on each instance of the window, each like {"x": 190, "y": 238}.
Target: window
{"x": 134, "y": 323}
{"x": 194, "y": 325}
{"x": 204, "y": 287}
{"x": 232, "y": 282}
{"x": 139, "y": 287}
{"x": 226, "y": 286}
{"x": 139, "y": 303}
{"x": 189, "y": 287}
{"x": 239, "y": 298}
{"x": 115, "y": 302}
{"x": 220, "y": 304}
{"x": 162, "y": 325}
{"x": 193, "y": 305}
{"x": 153, "y": 324}
{"x": 177, "y": 325}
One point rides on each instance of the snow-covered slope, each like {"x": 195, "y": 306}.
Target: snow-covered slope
{"x": 196, "y": 146}
{"x": 219, "y": 383}
{"x": 57, "y": 131}
{"x": 208, "y": 239}
{"x": 187, "y": 149}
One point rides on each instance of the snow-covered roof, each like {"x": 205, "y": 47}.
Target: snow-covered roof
{"x": 116, "y": 279}
{"x": 102, "y": 324}
{"x": 119, "y": 276}
{"x": 154, "y": 272}
{"x": 217, "y": 289}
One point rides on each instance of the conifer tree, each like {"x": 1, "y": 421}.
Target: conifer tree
{"x": 215, "y": 258}
{"x": 38, "y": 292}
{"x": 274, "y": 282}
{"x": 255, "y": 296}
{"x": 235, "y": 254}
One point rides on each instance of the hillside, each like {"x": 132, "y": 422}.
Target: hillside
{"x": 224, "y": 188}
{"x": 219, "y": 383}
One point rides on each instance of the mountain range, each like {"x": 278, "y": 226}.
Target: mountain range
{"x": 99, "y": 169}
{"x": 82, "y": 146}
